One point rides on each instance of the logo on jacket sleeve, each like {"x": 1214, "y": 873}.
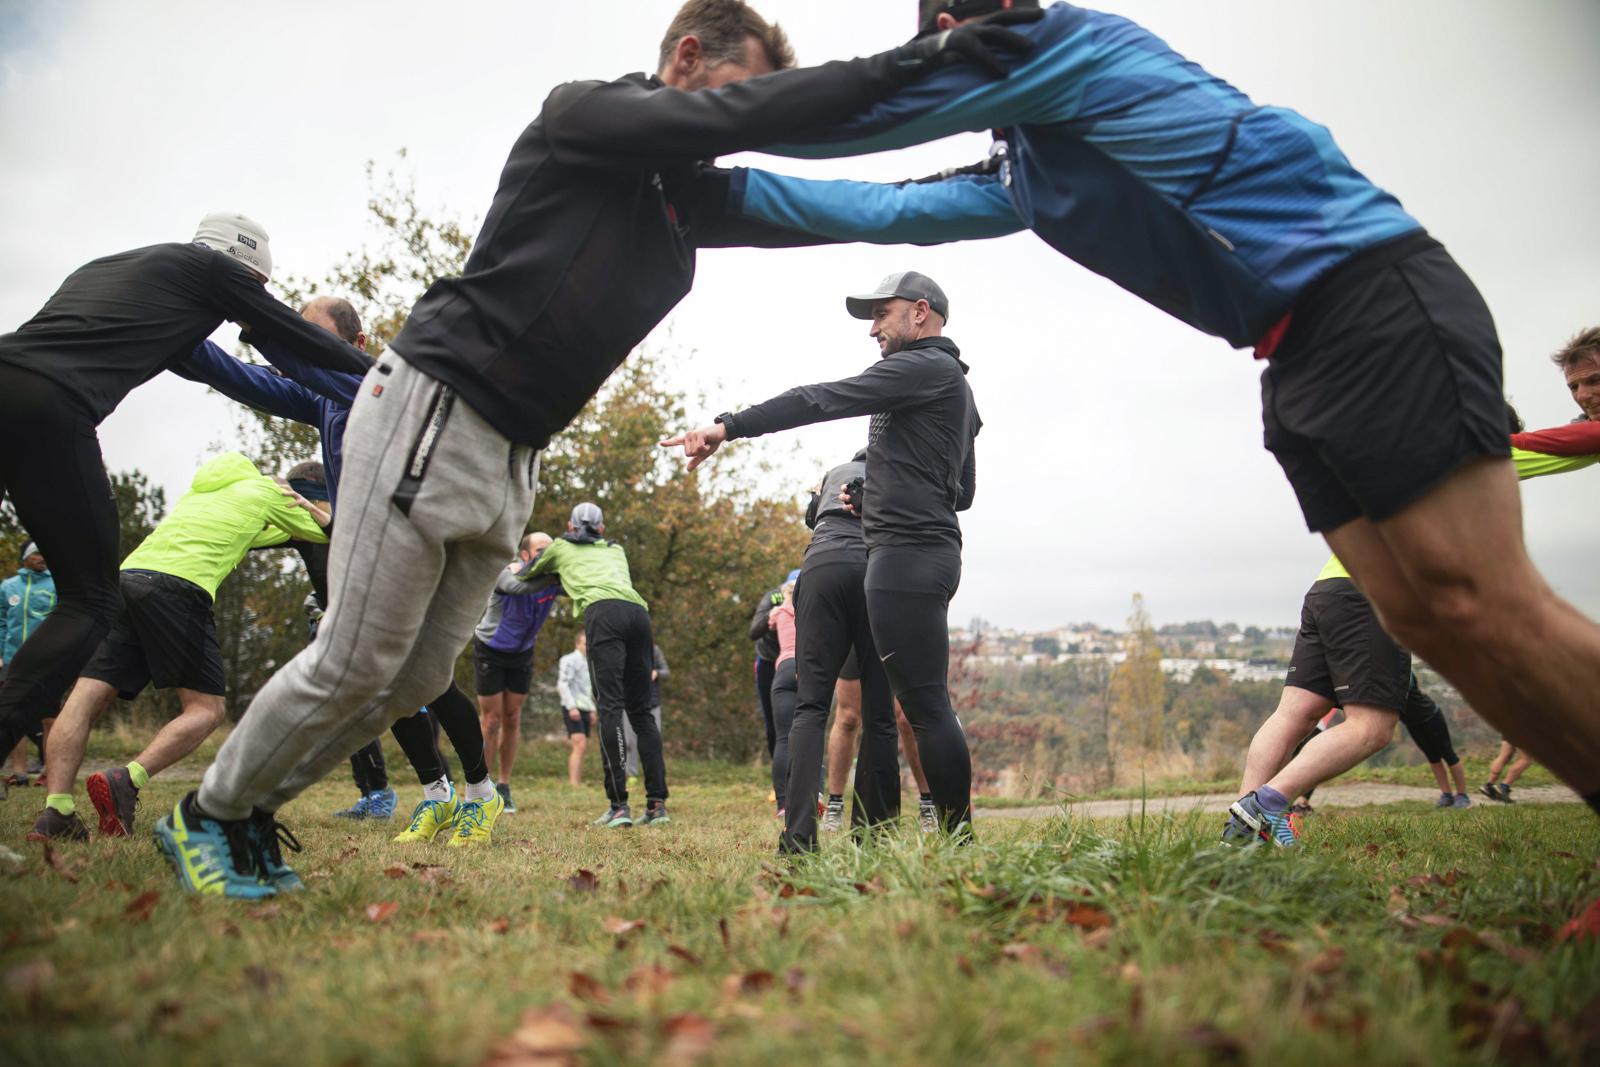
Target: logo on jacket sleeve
{"x": 15, "y": 600}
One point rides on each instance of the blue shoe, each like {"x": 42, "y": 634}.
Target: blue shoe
{"x": 269, "y": 836}
{"x": 1446, "y": 800}
{"x": 212, "y": 857}
{"x": 376, "y": 805}
{"x": 1250, "y": 822}
{"x": 1461, "y": 801}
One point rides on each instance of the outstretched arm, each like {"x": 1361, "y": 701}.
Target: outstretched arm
{"x": 962, "y": 208}
{"x": 337, "y": 386}
{"x": 248, "y": 383}
{"x": 243, "y": 299}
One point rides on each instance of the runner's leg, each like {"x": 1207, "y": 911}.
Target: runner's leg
{"x": 1364, "y": 732}
{"x": 608, "y": 653}
{"x": 489, "y": 706}
{"x": 764, "y": 698}
{"x": 638, "y": 666}
{"x": 908, "y": 744}
{"x": 88, "y": 701}
{"x": 415, "y": 735}
{"x": 510, "y": 732}
{"x": 1283, "y": 736}
{"x": 845, "y": 735}
{"x": 785, "y": 688}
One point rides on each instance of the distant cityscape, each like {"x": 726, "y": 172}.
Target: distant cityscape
{"x": 1247, "y": 654}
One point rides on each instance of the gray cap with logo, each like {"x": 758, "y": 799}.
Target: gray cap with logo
{"x": 907, "y": 285}
{"x": 587, "y": 516}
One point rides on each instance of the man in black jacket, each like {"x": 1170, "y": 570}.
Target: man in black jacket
{"x": 920, "y": 472}
{"x": 589, "y": 243}
{"x": 114, "y": 324}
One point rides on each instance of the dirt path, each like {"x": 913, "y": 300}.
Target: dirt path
{"x": 1354, "y": 795}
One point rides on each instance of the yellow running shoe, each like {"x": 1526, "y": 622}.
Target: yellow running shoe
{"x": 476, "y": 821}
{"x": 432, "y": 818}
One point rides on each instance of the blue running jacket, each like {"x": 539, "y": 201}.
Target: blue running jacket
{"x": 1123, "y": 156}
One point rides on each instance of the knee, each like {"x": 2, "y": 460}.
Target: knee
{"x": 1375, "y": 726}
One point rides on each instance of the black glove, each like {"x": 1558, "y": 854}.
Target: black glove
{"x": 973, "y": 43}
{"x": 856, "y": 490}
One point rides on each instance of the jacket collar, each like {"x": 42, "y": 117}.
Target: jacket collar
{"x": 937, "y": 344}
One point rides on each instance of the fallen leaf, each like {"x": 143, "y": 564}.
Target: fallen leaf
{"x": 584, "y": 987}
{"x": 31, "y": 977}
{"x": 264, "y": 979}
{"x": 1408, "y": 922}
{"x": 685, "y": 955}
{"x": 228, "y": 929}
{"x": 752, "y": 983}
{"x": 1441, "y": 921}
{"x": 1515, "y": 953}
{"x": 430, "y": 937}
{"x": 1450, "y": 877}
{"x": 265, "y": 911}
{"x": 1022, "y": 953}
{"x": 1586, "y": 925}
{"x": 141, "y": 907}
{"x": 689, "y": 1036}
{"x": 1089, "y": 917}
{"x": 1131, "y": 972}
{"x": 395, "y": 872}
{"x": 1563, "y": 855}
{"x": 59, "y": 865}
{"x": 1372, "y": 850}
{"x": 544, "y": 1037}
{"x": 622, "y": 927}
{"x": 347, "y": 853}
{"x": 1458, "y": 938}
{"x": 1326, "y": 962}
{"x": 650, "y": 979}
{"x": 1397, "y": 905}
{"x": 795, "y": 981}
{"x": 437, "y": 877}
{"x": 1099, "y": 939}
{"x": 583, "y": 882}
{"x": 377, "y": 913}
{"x": 965, "y": 964}
{"x": 501, "y": 925}
{"x": 905, "y": 929}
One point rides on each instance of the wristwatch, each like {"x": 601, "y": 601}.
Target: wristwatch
{"x": 726, "y": 419}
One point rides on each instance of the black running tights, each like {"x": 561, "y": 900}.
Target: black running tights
{"x": 908, "y": 601}
{"x": 454, "y": 712}
{"x": 784, "y": 693}
{"x": 764, "y": 668}
{"x": 50, "y": 465}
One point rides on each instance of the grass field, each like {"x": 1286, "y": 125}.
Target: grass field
{"x": 1398, "y": 935}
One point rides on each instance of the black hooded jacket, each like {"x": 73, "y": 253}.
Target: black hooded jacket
{"x": 920, "y": 464}
{"x": 591, "y": 238}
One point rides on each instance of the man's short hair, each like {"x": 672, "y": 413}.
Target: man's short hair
{"x": 722, "y": 27}
{"x": 309, "y": 471}
{"x": 346, "y": 322}
{"x": 1584, "y": 346}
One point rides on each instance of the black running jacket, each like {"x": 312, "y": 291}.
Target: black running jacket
{"x": 921, "y": 468}
{"x": 591, "y": 238}
{"x": 118, "y": 321}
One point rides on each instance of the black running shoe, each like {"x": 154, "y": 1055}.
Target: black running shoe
{"x": 18, "y": 780}
{"x": 114, "y": 797}
{"x": 505, "y": 794}
{"x": 655, "y": 814}
{"x": 51, "y": 825}
{"x": 1505, "y": 793}
{"x": 1489, "y": 790}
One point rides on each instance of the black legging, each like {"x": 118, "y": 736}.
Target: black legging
{"x": 368, "y": 766}
{"x": 1428, "y": 727}
{"x": 453, "y": 711}
{"x": 784, "y": 693}
{"x": 908, "y": 600}
{"x": 621, "y": 657}
{"x": 50, "y": 464}
{"x": 830, "y": 616}
{"x": 764, "y": 694}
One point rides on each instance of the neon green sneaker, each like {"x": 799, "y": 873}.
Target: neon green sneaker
{"x": 476, "y": 822}
{"x": 430, "y": 819}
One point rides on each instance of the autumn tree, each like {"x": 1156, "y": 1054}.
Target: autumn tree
{"x": 1139, "y": 688}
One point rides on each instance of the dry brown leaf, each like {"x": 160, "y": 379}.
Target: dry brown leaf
{"x": 1440, "y": 921}
{"x": 394, "y": 872}
{"x": 501, "y": 925}
{"x": 57, "y": 864}
{"x": 584, "y": 987}
{"x": 140, "y": 909}
{"x": 689, "y": 1036}
{"x": 432, "y": 875}
{"x": 1326, "y": 962}
{"x": 795, "y": 981}
{"x": 430, "y": 937}
{"x": 650, "y": 979}
{"x": 621, "y": 927}
{"x": 965, "y": 964}
{"x": 751, "y": 983}
{"x": 377, "y": 913}
{"x": 583, "y": 882}
{"x": 905, "y": 929}
{"x": 1022, "y": 953}
{"x": 686, "y": 956}
{"x": 347, "y": 853}
{"x": 228, "y": 929}
{"x": 265, "y": 911}
{"x": 1099, "y": 939}
{"x": 544, "y": 1037}
{"x": 1397, "y": 905}
{"x": 722, "y": 930}
{"x": 1089, "y": 917}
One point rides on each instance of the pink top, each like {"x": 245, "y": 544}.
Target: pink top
{"x": 781, "y": 619}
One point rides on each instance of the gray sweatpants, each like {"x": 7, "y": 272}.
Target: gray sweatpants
{"x": 432, "y": 501}
{"x": 630, "y": 766}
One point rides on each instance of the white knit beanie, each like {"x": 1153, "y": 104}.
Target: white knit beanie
{"x": 236, "y": 235}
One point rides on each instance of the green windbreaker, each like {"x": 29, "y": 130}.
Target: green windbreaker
{"x": 229, "y": 509}
{"x": 591, "y": 572}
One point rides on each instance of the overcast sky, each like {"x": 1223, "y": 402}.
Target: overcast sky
{"x": 1121, "y": 451}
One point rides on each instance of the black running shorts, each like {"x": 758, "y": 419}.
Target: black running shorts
{"x": 851, "y": 671}
{"x": 1343, "y": 654}
{"x": 164, "y": 636}
{"x": 1387, "y": 382}
{"x": 580, "y": 725}
{"x": 494, "y": 671}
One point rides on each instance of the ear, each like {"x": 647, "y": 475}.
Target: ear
{"x": 361, "y": 341}
{"x": 947, "y": 21}
{"x": 689, "y": 54}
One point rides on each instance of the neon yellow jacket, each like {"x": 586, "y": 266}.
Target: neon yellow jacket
{"x": 229, "y": 509}
{"x": 1529, "y": 465}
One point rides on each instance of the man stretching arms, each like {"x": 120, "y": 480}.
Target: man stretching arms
{"x": 166, "y": 636}
{"x": 1382, "y": 394}
{"x": 577, "y": 703}
{"x": 920, "y": 472}
{"x": 589, "y": 243}
{"x": 616, "y": 623}
{"x": 502, "y": 659}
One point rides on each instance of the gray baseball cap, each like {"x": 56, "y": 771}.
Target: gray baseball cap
{"x": 907, "y": 285}
{"x": 587, "y": 515}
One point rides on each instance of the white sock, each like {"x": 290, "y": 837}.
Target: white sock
{"x": 483, "y": 790}
{"x": 439, "y": 790}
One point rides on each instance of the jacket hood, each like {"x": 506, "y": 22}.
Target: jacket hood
{"x": 222, "y": 471}
{"x": 23, "y": 572}
{"x": 937, "y": 344}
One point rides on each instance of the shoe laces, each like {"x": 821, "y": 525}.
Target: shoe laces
{"x": 470, "y": 819}
{"x": 270, "y": 836}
